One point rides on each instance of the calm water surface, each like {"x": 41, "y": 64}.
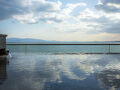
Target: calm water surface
{"x": 65, "y": 48}
{"x": 37, "y": 71}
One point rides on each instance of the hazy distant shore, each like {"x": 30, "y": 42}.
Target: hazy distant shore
{"x": 39, "y": 41}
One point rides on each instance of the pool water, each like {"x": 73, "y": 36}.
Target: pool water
{"x": 42, "y": 71}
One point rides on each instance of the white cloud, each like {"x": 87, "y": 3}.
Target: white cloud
{"x": 22, "y": 9}
{"x": 97, "y": 21}
{"x": 33, "y": 11}
{"x": 69, "y": 7}
{"x": 27, "y": 18}
{"x": 113, "y": 5}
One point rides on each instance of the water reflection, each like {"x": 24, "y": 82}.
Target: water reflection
{"x": 3, "y": 69}
{"x": 109, "y": 79}
{"x": 61, "y": 72}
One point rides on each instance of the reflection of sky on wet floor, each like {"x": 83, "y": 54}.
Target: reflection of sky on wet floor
{"x": 62, "y": 72}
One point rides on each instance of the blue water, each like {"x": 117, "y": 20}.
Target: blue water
{"x": 60, "y": 72}
{"x": 64, "y": 48}
{"x": 32, "y": 68}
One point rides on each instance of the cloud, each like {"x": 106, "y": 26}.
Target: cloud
{"x": 33, "y": 11}
{"x": 99, "y": 22}
{"x": 95, "y": 22}
{"x": 89, "y": 16}
{"x": 109, "y": 6}
{"x": 7, "y": 9}
{"x": 24, "y": 10}
{"x": 112, "y": 27}
{"x": 69, "y": 7}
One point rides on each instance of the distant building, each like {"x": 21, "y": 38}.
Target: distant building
{"x": 3, "y": 44}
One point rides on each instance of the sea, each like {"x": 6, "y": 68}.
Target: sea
{"x": 63, "y": 49}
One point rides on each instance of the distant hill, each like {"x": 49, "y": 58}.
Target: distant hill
{"x": 31, "y": 40}
{"x": 23, "y": 40}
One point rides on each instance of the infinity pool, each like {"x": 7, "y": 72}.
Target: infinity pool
{"x": 35, "y": 71}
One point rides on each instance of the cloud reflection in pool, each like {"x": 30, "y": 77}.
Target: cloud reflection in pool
{"x": 63, "y": 72}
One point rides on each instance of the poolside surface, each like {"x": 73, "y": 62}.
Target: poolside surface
{"x": 35, "y": 71}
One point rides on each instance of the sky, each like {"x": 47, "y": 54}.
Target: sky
{"x": 61, "y": 20}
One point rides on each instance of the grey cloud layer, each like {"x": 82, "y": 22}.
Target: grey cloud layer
{"x": 33, "y": 11}
{"x": 109, "y": 6}
{"x": 108, "y": 24}
{"x": 112, "y": 28}
{"x": 105, "y": 21}
{"x": 11, "y": 8}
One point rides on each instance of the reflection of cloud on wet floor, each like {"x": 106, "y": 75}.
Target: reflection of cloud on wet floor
{"x": 109, "y": 79}
{"x": 42, "y": 69}
{"x": 97, "y": 63}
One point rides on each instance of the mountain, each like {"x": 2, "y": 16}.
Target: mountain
{"x": 22, "y": 40}
{"x": 31, "y": 40}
